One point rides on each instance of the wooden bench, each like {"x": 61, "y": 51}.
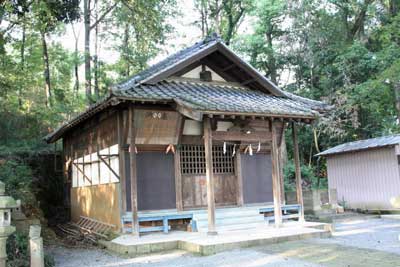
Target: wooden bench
{"x": 285, "y": 214}
{"x": 164, "y": 218}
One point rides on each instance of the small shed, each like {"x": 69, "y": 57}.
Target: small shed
{"x": 365, "y": 174}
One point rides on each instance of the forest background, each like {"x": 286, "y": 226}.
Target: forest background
{"x": 58, "y": 57}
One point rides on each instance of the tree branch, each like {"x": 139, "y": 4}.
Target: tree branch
{"x": 103, "y": 15}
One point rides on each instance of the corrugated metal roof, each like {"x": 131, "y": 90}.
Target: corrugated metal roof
{"x": 363, "y": 144}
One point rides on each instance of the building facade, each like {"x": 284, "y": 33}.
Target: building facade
{"x": 201, "y": 129}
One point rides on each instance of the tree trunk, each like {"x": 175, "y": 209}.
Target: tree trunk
{"x": 396, "y": 88}
{"x": 76, "y": 70}
{"x": 271, "y": 58}
{"x": 358, "y": 26}
{"x": 126, "y": 50}
{"x": 76, "y": 62}
{"x": 86, "y": 21}
{"x": 394, "y": 7}
{"x": 95, "y": 58}
{"x": 217, "y": 18}
{"x": 46, "y": 71}
{"x": 22, "y": 52}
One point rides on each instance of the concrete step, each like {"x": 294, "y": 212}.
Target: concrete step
{"x": 232, "y": 220}
{"x": 235, "y": 227}
{"x": 228, "y": 213}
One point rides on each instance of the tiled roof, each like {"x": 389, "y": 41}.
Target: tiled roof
{"x": 167, "y": 62}
{"x": 363, "y": 144}
{"x": 202, "y": 97}
{"x": 215, "y": 97}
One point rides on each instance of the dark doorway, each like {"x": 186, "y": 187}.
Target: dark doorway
{"x": 257, "y": 178}
{"x": 156, "y": 181}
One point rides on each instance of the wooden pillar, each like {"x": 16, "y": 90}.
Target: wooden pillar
{"x": 299, "y": 189}
{"x": 209, "y": 176}
{"x": 177, "y": 161}
{"x": 132, "y": 162}
{"x": 178, "y": 180}
{"x": 281, "y": 176}
{"x": 239, "y": 177}
{"x": 276, "y": 188}
{"x": 282, "y": 148}
{"x": 121, "y": 161}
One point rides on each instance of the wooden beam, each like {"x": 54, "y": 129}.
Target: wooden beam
{"x": 177, "y": 162}
{"x": 188, "y": 112}
{"x": 213, "y": 66}
{"x": 281, "y": 165}
{"x": 276, "y": 189}
{"x": 248, "y": 81}
{"x": 132, "y": 163}
{"x": 209, "y": 176}
{"x": 263, "y": 136}
{"x": 299, "y": 189}
{"x": 229, "y": 67}
{"x": 121, "y": 162}
{"x": 178, "y": 180}
{"x": 239, "y": 177}
{"x": 170, "y": 70}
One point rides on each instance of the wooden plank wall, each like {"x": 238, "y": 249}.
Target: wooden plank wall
{"x": 100, "y": 201}
{"x": 194, "y": 190}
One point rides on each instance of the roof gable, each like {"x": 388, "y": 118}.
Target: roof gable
{"x": 213, "y": 53}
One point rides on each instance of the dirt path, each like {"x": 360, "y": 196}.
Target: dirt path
{"x": 370, "y": 242}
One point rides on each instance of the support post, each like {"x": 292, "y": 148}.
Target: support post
{"x": 282, "y": 160}
{"x": 239, "y": 177}
{"x": 299, "y": 189}
{"x": 121, "y": 161}
{"x": 132, "y": 162}
{"x": 209, "y": 176}
{"x": 276, "y": 188}
{"x": 178, "y": 180}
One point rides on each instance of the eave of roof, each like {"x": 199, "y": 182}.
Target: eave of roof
{"x": 362, "y": 145}
{"x": 194, "y": 99}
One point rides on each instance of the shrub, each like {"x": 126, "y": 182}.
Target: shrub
{"x": 310, "y": 180}
{"x": 18, "y": 252}
{"x": 17, "y": 177}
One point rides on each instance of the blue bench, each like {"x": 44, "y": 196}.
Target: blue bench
{"x": 285, "y": 214}
{"x": 164, "y": 218}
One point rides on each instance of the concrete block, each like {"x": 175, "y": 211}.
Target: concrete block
{"x": 207, "y": 250}
{"x": 143, "y": 249}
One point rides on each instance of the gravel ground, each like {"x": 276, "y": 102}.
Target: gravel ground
{"x": 377, "y": 234}
{"x": 369, "y": 242}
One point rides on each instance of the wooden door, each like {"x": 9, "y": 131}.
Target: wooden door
{"x": 257, "y": 178}
{"x": 156, "y": 181}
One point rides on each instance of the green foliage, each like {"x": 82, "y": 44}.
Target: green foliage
{"x": 310, "y": 180}
{"x": 18, "y": 178}
{"x": 18, "y": 252}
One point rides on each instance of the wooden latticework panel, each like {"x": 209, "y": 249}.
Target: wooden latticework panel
{"x": 223, "y": 163}
{"x": 193, "y": 159}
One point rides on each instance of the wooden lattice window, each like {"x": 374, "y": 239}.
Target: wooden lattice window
{"x": 193, "y": 159}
